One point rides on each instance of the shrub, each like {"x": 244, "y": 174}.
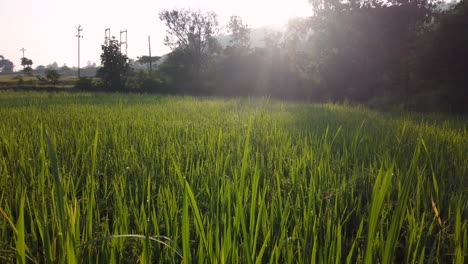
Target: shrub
{"x": 52, "y": 76}
{"x": 84, "y": 84}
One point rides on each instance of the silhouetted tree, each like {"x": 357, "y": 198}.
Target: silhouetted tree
{"x": 40, "y": 70}
{"x": 443, "y": 62}
{"x": 53, "y": 66}
{"x": 365, "y": 47}
{"x": 6, "y": 66}
{"x": 52, "y": 76}
{"x": 176, "y": 70}
{"x": 147, "y": 60}
{"x": 191, "y": 34}
{"x": 90, "y": 70}
{"x": 240, "y": 35}
{"x": 232, "y": 72}
{"x": 26, "y": 63}
{"x": 115, "y": 66}
{"x": 65, "y": 70}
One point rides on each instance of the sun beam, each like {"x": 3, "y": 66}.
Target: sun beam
{"x": 268, "y": 12}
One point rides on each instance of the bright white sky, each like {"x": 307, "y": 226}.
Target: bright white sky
{"x": 46, "y": 28}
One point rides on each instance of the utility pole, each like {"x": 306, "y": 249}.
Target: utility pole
{"x": 150, "y": 59}
{"x": 124, "y": 42}
{"x": 79, "y": 29}
{"x": 23, "y": 50}
{"x": 107, "y": 36}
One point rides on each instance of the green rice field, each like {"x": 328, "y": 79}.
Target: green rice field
{"x": 119, "y": 178}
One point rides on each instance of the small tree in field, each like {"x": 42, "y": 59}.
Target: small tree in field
{"x": 52, "y": 76}
{"x": 115, "y": 67}
{"x": 27, "y": 63}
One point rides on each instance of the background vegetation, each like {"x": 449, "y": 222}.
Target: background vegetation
{"x": 401, "y": 52}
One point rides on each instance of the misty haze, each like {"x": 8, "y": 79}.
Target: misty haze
{"x": 250, "y": 131}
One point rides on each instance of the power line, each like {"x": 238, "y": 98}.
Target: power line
{"x": 79, "y": 29}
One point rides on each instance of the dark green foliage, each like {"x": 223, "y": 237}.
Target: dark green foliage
{"x": 176, "y": 70}
{"x": 190, "y": 34}
{"x": 6, "y": 66}
{"x": 147, "y": 59}
{"x": 115, "y": 66}
{"x": 19, "y": 79}
{"x": 42, "y": 80}
{"x": 443, "y": 59}
{"x": 65, "y": 70}
{"x": 145, "y": 82}
{"x": 410, "y": 51}
{"x": 27, "y": 63}
{"x": 40, "y": 70}
{"x": 52, "y": 76}
{"x": 85, "y": 84}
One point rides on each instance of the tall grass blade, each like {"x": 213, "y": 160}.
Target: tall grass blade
{"x": 58, "y": 186}
{"x": 21, "y": 234}
{"x": 397, "y": 221}
{"x": 382, "y": 184}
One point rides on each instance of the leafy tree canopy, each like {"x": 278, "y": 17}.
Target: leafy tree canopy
{"x": 191, "y": 33}
{"x": 115, "y": 66}
{"x": 6, "y": 66}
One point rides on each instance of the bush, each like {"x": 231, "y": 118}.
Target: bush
{"x": 386, "y": 103}
{"x": 52, "y": 76}
{"x": 84, "y": 84}
{"x": 145, "y": 82}
{"x": 19, "y": 80}
{"x": 41, "y": 80}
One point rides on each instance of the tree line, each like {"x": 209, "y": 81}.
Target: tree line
{"x": 410, "y": 53}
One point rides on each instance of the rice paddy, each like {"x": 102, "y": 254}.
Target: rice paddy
{"x": 118, "y": 178}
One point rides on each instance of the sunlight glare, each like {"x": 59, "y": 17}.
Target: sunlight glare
{"x": 270, "y": 12}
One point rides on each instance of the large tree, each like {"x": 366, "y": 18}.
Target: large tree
{"x": 27, "y": 65}
{"x": 235, "y": 70}
{"x": 239, "y": 35}
{"x": 362, "y": 46}
{"x": 443, "y": 62}
{"x": 191, "y": 33}
{"x": 6, "y": 66}
{"x": 115, "y": 66}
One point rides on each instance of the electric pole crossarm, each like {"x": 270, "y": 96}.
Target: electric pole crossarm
{"x": 107, "y": 36}
{"x": 23, "y": 50}
{"x": 123, "y": 42}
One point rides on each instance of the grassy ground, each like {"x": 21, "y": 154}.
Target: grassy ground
{"x": 108, "y": 178}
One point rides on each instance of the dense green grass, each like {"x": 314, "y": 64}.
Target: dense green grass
{"x": 110, "y": 178}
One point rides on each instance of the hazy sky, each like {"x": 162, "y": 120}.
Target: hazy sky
{"x": 46, "y": 28}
